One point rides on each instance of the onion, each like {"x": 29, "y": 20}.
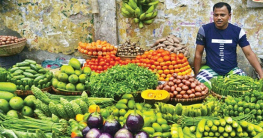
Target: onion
{"x": 180, "y": 77}
{"x": 193, "y": 90}
{"x": 191, "y": 79}
{"x": 175, "y": 75}
{"x": 198, "y": 89}
{"x": 171, "y": 78}
{"x": 203, "y": 92}
{"x": 167, "y": 88}
{"x": 172, "y": 88}
{"x": 183, "y": 92}
{"x": 183, "y": 80}
{"x": 171, "y": 95}
{"x": 180, "y": 85}
{"x": 192, "y": 95}
{"x": 185, "y": 87}
{"x": 185, "y": 96}
{"x": 179, "y": 96}
{"x": 170, "y": 83}
{"x": 188, "y": 83}
{"x": 189, "y": 92}
{"x": 186, "y": 77}
{"x": 161, "y": 86}
{"x": 175, "y": 92}
{"x": 198, "y": 94}
{"x": 178, "y": 89}
{"x": 193, "y": 85}
{"x": 178, "y": 81}
{"x": 175, "y": 80}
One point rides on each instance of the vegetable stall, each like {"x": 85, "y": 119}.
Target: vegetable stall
{"x": 126, "y": 91}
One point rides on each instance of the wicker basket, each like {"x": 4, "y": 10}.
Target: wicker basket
{"x": 29, "y": 92}
{"x": 189, "y": 100}
{"x": 12, "y": 49}
{"x": 217, "y": 95}
{"x": 61, "y": 92}
{"x": 127, "y": 57}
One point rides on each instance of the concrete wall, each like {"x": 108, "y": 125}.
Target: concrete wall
{"x": 56, "y": 26}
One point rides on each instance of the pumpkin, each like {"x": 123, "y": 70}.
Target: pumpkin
{"x": 156, "y": 95}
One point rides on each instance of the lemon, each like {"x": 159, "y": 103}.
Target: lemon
{"x": 73, "y": 78}
{"x": 87, "y": 70}
{"x": 61, "y": 85}
{"x": 78, "y": 72}
{"x": 63, "y": 77}
{"x": 82, "y": 78}
{"x": 12, "y": 113}
{"x": 16, "y": 103}
{"x": 4, "y": 105}
{"x": 29, "y": 100}
{"x": 80, "y": 87}
{"x": 75, "y": 63}
{"x": 70, "y": 87}
{"x": 27, "y": 111}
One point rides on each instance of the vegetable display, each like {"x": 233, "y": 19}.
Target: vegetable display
{"x": 164, "y": 63}
{"x": 119, "y": 80}
{"x": 4, "y": 40}
{"x": 172, "y": 44}
{"x": 235, "y": 85}
{"x": 98, "y": 48}
{"x": 183, "y": 87}
{"x": 27, "y": 73}
{"x": 129, "y": 49}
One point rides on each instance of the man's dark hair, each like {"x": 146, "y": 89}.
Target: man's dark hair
{"x": 221, "y": 4}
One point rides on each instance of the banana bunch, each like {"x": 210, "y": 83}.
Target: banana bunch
{"x": 142, "y": 11}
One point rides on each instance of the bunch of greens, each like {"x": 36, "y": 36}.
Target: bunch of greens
{"x": 119, "y": 80}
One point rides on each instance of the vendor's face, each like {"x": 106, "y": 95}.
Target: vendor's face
{"x": 221, "y": 17}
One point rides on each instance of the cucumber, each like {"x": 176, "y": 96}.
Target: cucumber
{"x": 30, "y": 61}
{"x": 13, "y": 69}
{"x": 29, "y": 75}
{"x": 17, "y": 72}
{"x": 6, "y": 95}
{"x": 7, "y": 86}
{"x": 24, "y": 68}
{"x": 31, "y": 71}
{"x": 33, "y": 67}
{"x": 22, "y": 64}
{"x": 43, "y": 71}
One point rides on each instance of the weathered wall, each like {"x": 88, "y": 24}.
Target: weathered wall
{"x": 183, "y": 19}
{"x": 57, "y": 26}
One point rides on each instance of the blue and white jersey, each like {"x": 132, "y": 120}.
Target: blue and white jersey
{"x": 221, "y": 46}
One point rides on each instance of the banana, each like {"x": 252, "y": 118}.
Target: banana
{"x": 147, "y": 22}
{"x": 142, "y": 16}
{"x": 148, "y": 15}
{"x": 129, "y": 8}
{"x": 137, "y": 12}
{"x": 136, "y": 20}
{"x": 154, "y": 2}
{"x": 125, "y": 12}
{"x": 151, "y": 9}
{"x": 133, "y": 4}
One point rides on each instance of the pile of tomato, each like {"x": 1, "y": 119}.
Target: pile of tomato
{"x": 102, "y": 63}
{"x": 98, "y": 48}
{"x": 164, "y": 63}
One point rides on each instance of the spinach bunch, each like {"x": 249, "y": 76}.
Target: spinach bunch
{"x": 119, "y": 80}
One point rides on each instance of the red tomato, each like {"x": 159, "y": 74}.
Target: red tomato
{"x": 100, "y": 68}
{"x": 105, "y": 67}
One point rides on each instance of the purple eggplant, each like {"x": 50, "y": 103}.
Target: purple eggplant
{"x": 85, "y": 131}
{"x": 123, "y": 133}
{"x": 134, "y": 122}
{"x": 142, "y": 134}
{"x": 111, "y": 126}
{"x": 95, "y": 120}
{"x": 105, "y": 135}
{"x": 93, "y": 133}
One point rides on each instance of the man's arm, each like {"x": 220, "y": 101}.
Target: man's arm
{"x": 253, "y": 60}
{"x": 198, "y": 58}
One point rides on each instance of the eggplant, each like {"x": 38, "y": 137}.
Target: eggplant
{"x": 95, "y": 120}
{"x": 105, "y": 135}
{"x": 111, "y": 126}
{"x": 85, "y": 131}
{"x": 123, "y": 133}
{"x": 134, "y": 122}
{"x": 142, "y": 134}
{"x": 93, "y": 133}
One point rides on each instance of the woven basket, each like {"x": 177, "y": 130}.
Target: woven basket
{"x": 12, "y": 49}
{"x": 61, "y": 92}
{"x": 189, "y": 99}
{"x": 29, "y": 92}
{"x": 127, "y": 57}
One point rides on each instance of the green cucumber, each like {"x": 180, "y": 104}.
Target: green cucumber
{"x": 7, "y": 86}
{"x": 33, "y": 67}
{"x": 22, "y": 64}
{"x": 13, "y": 69}
{"x": 30, "y": 61}
{"x": 31, "y": 71}
{"x": 6, "y": 95}
{"x": 27, "y": 74}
